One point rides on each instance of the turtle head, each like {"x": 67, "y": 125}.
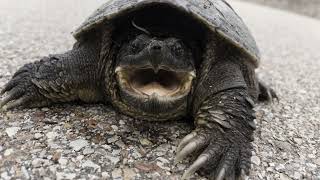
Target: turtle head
{"x": 155, "y": 75}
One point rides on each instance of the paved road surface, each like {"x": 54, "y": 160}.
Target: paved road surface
{"x": 92, "y": 141}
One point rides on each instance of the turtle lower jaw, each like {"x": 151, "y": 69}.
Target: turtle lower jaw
{"x": 163, "y": 84}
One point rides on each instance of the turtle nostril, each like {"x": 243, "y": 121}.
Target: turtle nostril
{"x": 156, "y": 47}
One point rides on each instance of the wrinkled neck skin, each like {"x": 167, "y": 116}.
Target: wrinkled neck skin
{"x": 151, "y": 78}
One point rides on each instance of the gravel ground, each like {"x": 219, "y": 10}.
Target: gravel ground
{"x": 306, "y": 7}
{"x": 94, "y": 142}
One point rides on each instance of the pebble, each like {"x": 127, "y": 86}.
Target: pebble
{"x": 8, "y": 152}
{"x": 63, "y": 161}
{"x": 45, "y": 109}
{"x": 38, "y": 135}
{"x": 12, "y": 131}
{"x": 63, "y": 176}
{"x": 280, "y": 167}
{"x": 256, "y": 160}
{"x": 114, "y": 127}
{"x": 113, "y": 139}
{"x": 284, "y": 146}
{"x": 298, "y": 141}
{"x": 145, "y": 142}
{"x": 105, "y": 175}
{"x": 114, "y": 160}
{"x": 163, "y": 160}
{"x": 5, "y": 176}
{"x": 51, "y": 135}
{"x": 78, "y": 144}
{"x": 297, "y": 175}
{"x": 37, "y": 162}
{"x": 25, "y": 172}
{"x": 87, "y": 151}
{"x": 80, "y": 157}
{"x": 128, "y": 173}
{"x": 284, "y": 177}
{"x": 90, "y": 164}
{"x": 117, "y": 174}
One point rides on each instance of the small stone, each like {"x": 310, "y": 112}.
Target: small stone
{"x": 106, "y": 147}
{"x": 67, "y": 125}
{"x": 36, "y": 163}
{"x": 146, "y": 167}
{"x": 113, "y": 139}
{"x": 163, "y": 160}
{"x": 51, "y": 135}
{"x": 284, "y": 146}
{"x": 105, "y": 175}
{"x": 62, "y": 176}
{"x": 317, "y": 161}
{"x": 120, "y": 144}
{"x": 297, "y": 175}
{"x": 87, "y": 151}
{"x": 256, "y": 160}
{"x": 12, "y": 131}
{"x": 90, "y": 164}
{"x": 78, "y": 144}
{"x": 5, "y": 175}
{"x": 160, "y": 164}
{"x": 8, "y": 152}
{"x": 116, "y": 174}
{"x": 56, "y": 156}
{"x": 38, "y": 135}
{"x": 280, "y": 167}
{"x": 128, "y": 173}
{"x": 25, "y": 172}
{"x": 298, "y": 141}
{"x": 80, "y": 157}
{"x": 114, "y": 127}
{"x": 114, "y": 160}
{"x": 63, "y": 161}
{"x": 45, "y": 109}
{"x": 145, "y": 142}
{"x": 284, "y": 177}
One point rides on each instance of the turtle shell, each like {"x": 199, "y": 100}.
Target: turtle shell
{"x": 217, "y": 15}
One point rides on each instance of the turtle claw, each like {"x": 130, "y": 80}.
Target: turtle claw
{"x": 18, "y": 91}
{"x": 186, "y": 140}
{"x": 267, "y": 93}
{"x": 191, "y": 143}
{"x": 12, "y": 95}
{"x": 222, "y": 157}
{"x": 201, "y": 161}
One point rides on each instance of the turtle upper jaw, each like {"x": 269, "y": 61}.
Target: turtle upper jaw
{"x": 161, "y": 83}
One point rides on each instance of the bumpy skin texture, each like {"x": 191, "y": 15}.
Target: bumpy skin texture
{"x": 57, "y": 78}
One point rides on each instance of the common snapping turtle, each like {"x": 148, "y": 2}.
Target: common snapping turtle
{"x": 159, "y": 60}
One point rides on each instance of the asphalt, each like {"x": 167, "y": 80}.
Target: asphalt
{"x": 94, "y": 142}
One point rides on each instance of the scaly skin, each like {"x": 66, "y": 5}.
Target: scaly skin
{"x": 57, "y": 78}
{"x": 224, "y": 129}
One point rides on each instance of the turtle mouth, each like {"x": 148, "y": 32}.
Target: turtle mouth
{"x": 164, "y": 84}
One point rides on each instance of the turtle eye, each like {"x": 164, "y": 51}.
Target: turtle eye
{"x": 138, "y": 44}
{"x": 135, "y": 48}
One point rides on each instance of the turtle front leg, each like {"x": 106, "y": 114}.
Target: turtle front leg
{"x": 57, "y": 78}
{"x": 223, "y": 135}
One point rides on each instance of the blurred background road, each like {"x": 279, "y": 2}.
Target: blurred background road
{"x": 94, "y": 142}
{"x": 305, "y": 7}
